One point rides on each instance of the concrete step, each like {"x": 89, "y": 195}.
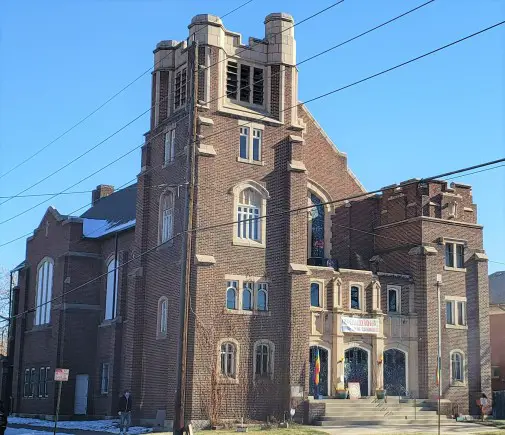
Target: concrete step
{"x": 380, "y": 417}
{"x": 379, "y": 412}
{"x": 366, "y": 422}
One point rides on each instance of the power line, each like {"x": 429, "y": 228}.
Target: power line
{"x": 266, "y": 216}
{"x": 288, "y": 108}
{"x": 146, "y": 112}
{"x": 101, "y": 106}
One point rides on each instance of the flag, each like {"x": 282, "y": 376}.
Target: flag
{"x": 317, "y": 367}
{"x": 437, "y": 376}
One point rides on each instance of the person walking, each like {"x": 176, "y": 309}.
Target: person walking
{"x": 124, "y": 412}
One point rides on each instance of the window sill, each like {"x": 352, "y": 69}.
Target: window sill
{"x": 248, "y": 243}
{"x": 458, "y": 384}
{"x": 109, "y": 322}
{"x": 167, "y": 164}
{"x": 455, "y": 269}
{"x": 227, "y": 380}
{"x": 248, "y": 312}
{"x": 250, "y": 162}
{"x": 394, "y": 313}
{"x": 161, "y": 336}
{"x": 462, "y": 327}
{"x": 40, "y": 328}
{"x": 316, "y": 309}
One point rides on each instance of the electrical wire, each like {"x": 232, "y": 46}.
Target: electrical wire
{"x": 267, "y": 216}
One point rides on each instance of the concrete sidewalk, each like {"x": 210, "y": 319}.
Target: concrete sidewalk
{"x": 446, "y": 429}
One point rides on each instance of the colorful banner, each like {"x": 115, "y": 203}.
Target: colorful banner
{"x": 360, "y": 325}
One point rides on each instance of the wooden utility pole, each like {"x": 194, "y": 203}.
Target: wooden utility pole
{"x": 183, "y": 354}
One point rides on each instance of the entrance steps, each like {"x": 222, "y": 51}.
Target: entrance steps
{"x": 372, "y": 411}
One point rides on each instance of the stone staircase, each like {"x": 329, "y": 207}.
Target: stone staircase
{"x": 371, "y": 411}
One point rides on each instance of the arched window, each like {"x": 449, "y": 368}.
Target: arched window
{"x": 317, "y": 224}
{"x": 247, "y": 301}
{"x": 356, "y": 299}
{"x": 166, "y": 216}
{"x": 44, "y": 292}
{"x": 262, "y": 301}
{"x": 394, "y": 299}
{"x": 315, "y": 294}
{"x": 250, "y": 204}
{"x": 263, "y": 358}
{"x": 111, "y": 290}
{"x": 457, "y": 367}
{"x": 231, "y": 295}
{"x": 162, "y": 316}
{"x": 228, "y": 359}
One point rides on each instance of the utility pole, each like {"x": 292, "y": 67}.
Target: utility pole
{"x": 187, "y": 249}
{"x": 439, "y": 359}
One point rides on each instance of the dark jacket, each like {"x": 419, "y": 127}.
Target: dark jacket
{"x": 125, "y": 405}
{"x": 3, "y": 417}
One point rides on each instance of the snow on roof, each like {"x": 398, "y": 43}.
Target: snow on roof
{"x": 96, "y": 228}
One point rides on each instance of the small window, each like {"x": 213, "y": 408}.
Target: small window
{"x": 162, "y": 316}
{"x": 244, "y": 143}
{"x": 393, "y": 300}
{"x": 262, "y": 297}
{"x": 42, "y": 382}
{"x": 262, "y": 360}
{"x": 167, "y": 216}
{"x": 26, "y": 384}
{"x": 455, "y": 255}
{"x": 104, "y": 380}
{"x": 495, "y": 372}
{"x": 34, "y": 384}
{"x": 247, "y": 296}
{"x": 231, "y": 295}
{"x": 46, "y": 383}
{"x": 245, "y": 81}
{"x": 180, "y": 88}
{"x": 457, "y": 374}
{"x": 228, "y": 359}
{"x": 111, "y": 290}
{"x": 355, "y": 298}
{"x": 169, "y": 146}
{"x": 258, "y": 86}
{"x": 315, "y": 289}
{"x": 256, "y": 148}
{"x": 455, "y": 312}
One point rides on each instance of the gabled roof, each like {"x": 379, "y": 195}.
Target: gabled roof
{"x": 116, "y": 212}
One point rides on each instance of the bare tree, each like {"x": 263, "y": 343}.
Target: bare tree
{"x": 4, "y": 308}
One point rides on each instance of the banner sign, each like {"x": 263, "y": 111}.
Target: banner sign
{"x": 360, "y": 325}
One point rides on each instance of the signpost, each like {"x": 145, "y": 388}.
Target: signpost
{"x": 60, "y": 375}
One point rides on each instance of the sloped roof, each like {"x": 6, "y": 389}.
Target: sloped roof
{"x": 116, "y": 212}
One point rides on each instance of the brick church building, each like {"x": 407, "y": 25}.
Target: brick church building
{"x": 355, "y": 280}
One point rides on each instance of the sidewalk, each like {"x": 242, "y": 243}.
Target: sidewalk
{"x": 446, "y": 429}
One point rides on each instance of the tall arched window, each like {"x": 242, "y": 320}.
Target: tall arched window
{"x": 247, "y": 300}
{"x": 264, "y": 358}
{"x": 231, "y": 295}
{"x": 44, "y": 292}
{"x": 166, "y": 216}
{"x": 315, "y": 294}
{"x": 111, "y": 290}
{"x": 316, "y": 227}
{"x": 262, "y": 303}
{"x": 457, "y": 367}
{"x": 249, "y": 205}
{"x": 162, "y": 316}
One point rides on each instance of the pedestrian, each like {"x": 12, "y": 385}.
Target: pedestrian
{"x": 124, "y": 412}
{"x": 3, "y": 418}
{"x": 483, "y": 405}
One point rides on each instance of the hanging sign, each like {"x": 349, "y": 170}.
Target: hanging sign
{"x": 360, "y": 325}
{"x": 61, "y": 375}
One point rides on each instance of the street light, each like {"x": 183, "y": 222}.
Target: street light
{"x": 439, "y": 358}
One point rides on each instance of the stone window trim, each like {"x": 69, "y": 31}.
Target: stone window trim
{"x": 458, "y": 383}
{"x": 44, "y": 291}
{"x": 455, "y": 243}
{"x": 258, "y": 284}
{"x": 398, "y": 290}
{"x": 322, "y": 294}
{"x": 162, "y": 318}
{"x": 324, "y": 196}
{"x": 264, "y": 196}
{"x": 455, "y": 314}
{"x": 362, "y": 300}
{"x": 222, "y": 379}
{"x": 271, "y": 358}
{"x": 252, "y": 126}
{"x": 166, "y": 194}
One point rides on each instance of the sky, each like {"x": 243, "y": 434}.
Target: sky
{"x": 60, "y": 60}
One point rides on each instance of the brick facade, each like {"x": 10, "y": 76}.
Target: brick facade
{"x": 379, "y": 245}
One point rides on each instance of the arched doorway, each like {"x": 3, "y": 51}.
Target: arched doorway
{"x": 323, "y": 373}
{"x": 356, "y": 368}
{"x": 395, "y": 372}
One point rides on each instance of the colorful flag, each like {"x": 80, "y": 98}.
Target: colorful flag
{"x": 437, "y": 376}
{"x": 317, "y": 368}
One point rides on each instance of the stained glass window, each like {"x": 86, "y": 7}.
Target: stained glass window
{"x": 317, "y": 228}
